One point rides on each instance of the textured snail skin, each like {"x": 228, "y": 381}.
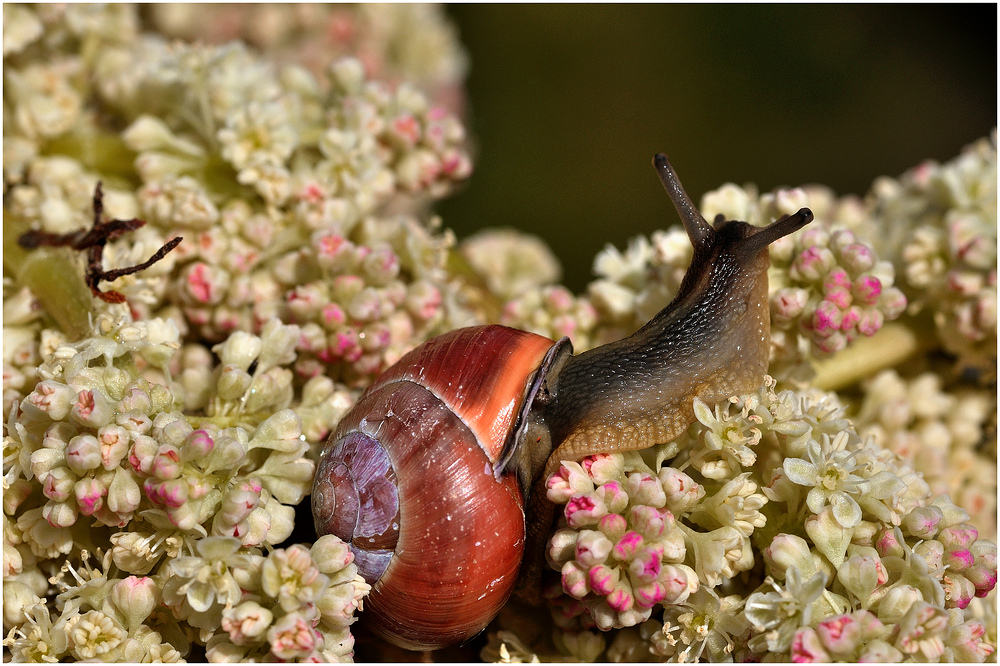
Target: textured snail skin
{"x": 712, "y": 341}
{"x": 460, "y": 527}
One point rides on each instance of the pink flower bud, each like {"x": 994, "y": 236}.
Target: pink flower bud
{"x": 113, "y": 440}
{"x": 788, "y": 550}
{"x": 621, "y": 599}
{"x": 867, "y": 289}
{"x": 574, "y": 580}
{"x": 869, "y": 322}
{"x": 628, "y": 545}
{"x": 852, "y": 316}
{"x": 959, "y": 590}
{"x": 922, "y": 522}
{"x": 892, "y": 302}
{"x": 650, "y": 594}
{"x": 238, "y": 504}
{"x": 603, "y": 579}
{"x": 645, "y": 489}
{"x": 614, "y": 496}
{"x": 197, "y": 445}
{"x": 857, "y": 257}
{"x": 592, "y": 548}
{"x": 649, "y": 522}
{"x": 839, "y": 634}
{"x": 166, "y": 464}
{"x": 58, "y": 485}
{"x": 645, "y": 566}
{"x": 613, "y": 526}
{"x": 837, "y": 280}
{"x": 679, "y": 581}
{"x": 135, "y": 597}
{"x": 832, "y": 343}
{"x": 887, "y": 544}
{"x": 293, "y": 638}
{"x": 603, "y": 467}
{"x": 381, "y": 266}
{"x": 332, "y": 316}
{"x": 205, "y": 284}
{"x": 83, "y": 453}
{"x": 246, "y": 622}
{"x": 807, "y": 649}
{"x": 812, "y": 264}
{"x": 91, "y": 409}
{"x": 52, "y": 398}
{"x": 423, "y": 300}
{"x": 89, "y": 494}
{"x": 788, "y": 303}
{"x": 60, "y": 514}
{"x": 680, "y": 490}
{"x": 826, "y": 318}
{"x": 958, "y": 560}
{"x": 957, "y": 536}
{"x": 404, "y": 130}
{"x": 583, "y": 510}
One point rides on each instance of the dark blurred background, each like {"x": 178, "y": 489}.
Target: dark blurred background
{"x": 568, "y": 104}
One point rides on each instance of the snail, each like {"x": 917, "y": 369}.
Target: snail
{"x": 427, "y": 476}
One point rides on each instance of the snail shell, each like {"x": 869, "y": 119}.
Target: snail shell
{"x": 409, "y": 483}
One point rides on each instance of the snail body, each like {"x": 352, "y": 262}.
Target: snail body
{"x": 426, "y": 477}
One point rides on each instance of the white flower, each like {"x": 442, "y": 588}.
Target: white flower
{"x": 829, "y": 474}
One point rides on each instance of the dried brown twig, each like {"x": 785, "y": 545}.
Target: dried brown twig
{"x": 93, "y": 241}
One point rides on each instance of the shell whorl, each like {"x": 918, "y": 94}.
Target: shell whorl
{"x": 357, "y": 497}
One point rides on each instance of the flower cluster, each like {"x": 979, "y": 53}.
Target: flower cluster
{"x": 102, "y": 437}
{"x": 841, "y": 524}
{"x": 942, "y": 434}
{"x": 280, "y": 182}
{"x": 634, "y": 285}
{"x": 413, "y": 43}
{"x": 939, "y": 224}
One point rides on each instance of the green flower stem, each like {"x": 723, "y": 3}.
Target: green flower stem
{"x": 889, "y": 347}
{"x": 55, "y": 278}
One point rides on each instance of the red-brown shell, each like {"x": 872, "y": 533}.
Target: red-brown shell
{"x": 461, "y": 531}
{"x": 479, "y": 372}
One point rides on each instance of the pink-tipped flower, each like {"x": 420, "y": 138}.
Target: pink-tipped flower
{"x": 645, "y": 566}
{"x": 89, "y": 494}
{"x": 621, "y": 598}
{"x": 870, "y": 322}
{"x": 840, "y": 634}
{"x": 613, "y": 495}
{"x": 603, "y": 579}
{"x": 583, "y": 510}
{"x": 649, "y": 522}
{"x": 958, "y": 560}
{"x": 592, "y": 548}
{"x": 613, "y": 526}
{"x": 574, "y": 580}
{"x": 197, "y": 445}
{"x": 645, "y": 489}
{"x": 867, "y": 289}
{"x": 807, "y": 648}
{"x": 113, "y": 440}
{"x": 83, "y": 453}
{"x": 857, "y": 257}
{"x": 628, "y": 546}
